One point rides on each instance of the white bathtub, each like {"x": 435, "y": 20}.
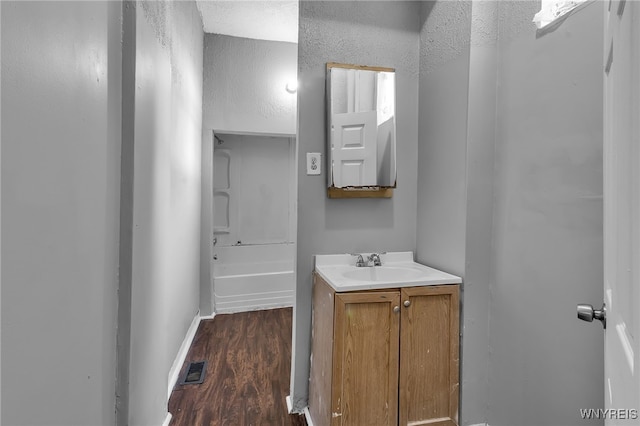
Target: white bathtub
{"x": 246, "y": 278}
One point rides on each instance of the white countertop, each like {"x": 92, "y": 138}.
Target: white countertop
{"x": 398, "y": 270}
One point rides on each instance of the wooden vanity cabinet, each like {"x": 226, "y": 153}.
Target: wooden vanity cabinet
{"x": 387, "y": 357}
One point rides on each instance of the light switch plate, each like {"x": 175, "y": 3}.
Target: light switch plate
{"x": 314, "y": 163}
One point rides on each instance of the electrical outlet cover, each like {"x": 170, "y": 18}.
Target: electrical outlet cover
{"x": 314, "y": 163}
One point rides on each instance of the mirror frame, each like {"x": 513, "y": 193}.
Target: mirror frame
{"x": 374, "y": 191}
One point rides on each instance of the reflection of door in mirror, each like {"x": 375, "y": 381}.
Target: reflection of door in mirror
{"x": 354, "y": 154}
{"x": 361, "y": 115}
{"x": 353, "y": 127}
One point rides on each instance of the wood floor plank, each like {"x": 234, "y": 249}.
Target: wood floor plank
{"x": 248, "y": 370}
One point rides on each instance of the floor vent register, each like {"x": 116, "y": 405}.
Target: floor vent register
{"x": 195, "y": 373}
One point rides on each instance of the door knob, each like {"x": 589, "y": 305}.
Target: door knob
{"x": 587, "y": 313}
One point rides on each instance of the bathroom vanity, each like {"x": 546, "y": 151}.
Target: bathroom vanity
{"x": 385, "y": 343}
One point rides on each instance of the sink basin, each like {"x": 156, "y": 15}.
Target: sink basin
{"x": 398, "y": 270}
{"x": 382, "y": 273}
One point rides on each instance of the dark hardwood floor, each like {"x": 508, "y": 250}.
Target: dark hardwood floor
{"x": 247, "y": 378}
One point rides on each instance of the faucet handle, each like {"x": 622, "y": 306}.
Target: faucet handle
{"x": 360, "y": 260}
{"x": 375, "y": 258}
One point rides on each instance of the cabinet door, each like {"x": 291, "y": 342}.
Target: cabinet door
{"x": 365, "y": 359}
{"x": 429, "y": 345}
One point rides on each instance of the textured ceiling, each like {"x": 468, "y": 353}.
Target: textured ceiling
{"x": 258, "y": 19}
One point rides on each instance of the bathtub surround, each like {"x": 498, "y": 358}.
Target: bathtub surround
{"x": 253, "y": 188}
{"x": 253, "y": 258}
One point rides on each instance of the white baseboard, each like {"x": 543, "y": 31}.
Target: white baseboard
{"x": 289, "y": 404}
{"x": 167, "y": 420}
{"x": 307, "y": 416}
{"x": 207, "y": 317}
{"x": 174, "y": 372}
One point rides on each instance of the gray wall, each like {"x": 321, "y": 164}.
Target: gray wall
{"x": 60, "y": 203}
{"x": 64, "y": 93}
{"x": 244, "y": 85}
{"x": 547, "y": 236}
{"x": 206, "y": 223}
{"x": 444, "y": 81}
{"x": 530, "y": 158}
{"x": 165, "y": 293}
{"x": 455, "y": 190}
{"x": 481, "y": 118}
{"x": 364, "y": 33}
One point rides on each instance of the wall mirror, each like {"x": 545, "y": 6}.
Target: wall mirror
{"x": 361, "y": 118}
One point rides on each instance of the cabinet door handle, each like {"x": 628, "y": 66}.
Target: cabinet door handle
{"x": 407, "y": 303}
{"x": 396, "y": 309}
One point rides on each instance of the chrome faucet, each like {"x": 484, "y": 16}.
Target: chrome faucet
{"x": 360, "y": 261}
{"x": 375, "y": 258}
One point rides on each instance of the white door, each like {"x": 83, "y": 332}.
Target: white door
{"x": 353, "y": 149}
{"x": 622, "y": 212}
